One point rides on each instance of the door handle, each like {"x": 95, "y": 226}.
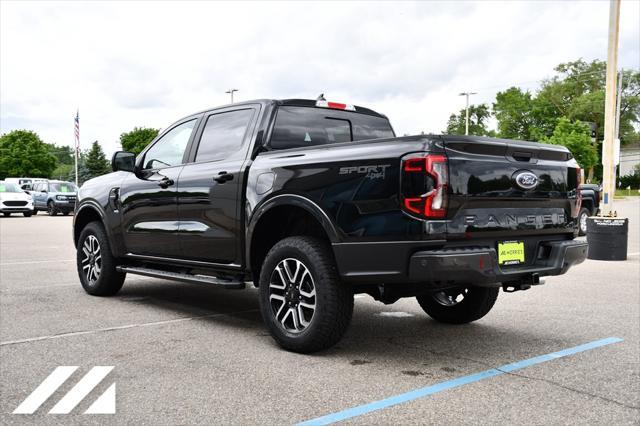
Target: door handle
{"x": 165, "y": 183}
{"x": 223, "y": 177}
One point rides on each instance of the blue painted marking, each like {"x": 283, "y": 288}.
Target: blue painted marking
{"x": 606, "y": 197}
{"x": 450, "y": 384}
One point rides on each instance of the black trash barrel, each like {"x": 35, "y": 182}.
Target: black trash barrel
{"x": 607, "y": 238}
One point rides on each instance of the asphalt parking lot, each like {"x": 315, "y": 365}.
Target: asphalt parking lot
{"x": 188, "y": 354}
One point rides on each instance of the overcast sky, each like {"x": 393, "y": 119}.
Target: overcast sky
{"x": 129, "y": 64}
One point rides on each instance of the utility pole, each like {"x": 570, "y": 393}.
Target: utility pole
{"x": 608, "y": 146}
{"x": 466, "y": 126}
{"x": 230, "y": 91}
{"x": 618, "y": 101}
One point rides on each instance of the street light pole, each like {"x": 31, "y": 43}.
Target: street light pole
{"x": 608, "y": 146}
{"x": 466, "y": 126}
{"x": 230, "y": 91}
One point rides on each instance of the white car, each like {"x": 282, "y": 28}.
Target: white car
{"x": 14, "y": 200}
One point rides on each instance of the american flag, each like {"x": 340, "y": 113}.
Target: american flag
{"x": 77, "y": 130}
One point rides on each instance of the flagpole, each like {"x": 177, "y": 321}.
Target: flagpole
{"x": 76, "y": 126}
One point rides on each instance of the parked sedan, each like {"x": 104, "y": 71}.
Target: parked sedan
{"x": 14, "y": 200}
{"x": 54, "y": 197}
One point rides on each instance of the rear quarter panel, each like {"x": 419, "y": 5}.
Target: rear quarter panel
{"x": 356, "y": 184}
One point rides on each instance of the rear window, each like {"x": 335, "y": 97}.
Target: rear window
{"x": 297, "y": 127}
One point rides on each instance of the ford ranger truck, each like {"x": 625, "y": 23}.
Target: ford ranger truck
{"x": 315, "y": 201}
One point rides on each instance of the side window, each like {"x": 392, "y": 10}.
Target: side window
{"x": 223, "y": 134}
{"x": 169, "y": 149}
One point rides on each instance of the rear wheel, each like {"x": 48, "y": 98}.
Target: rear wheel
{"x": 459, "y": 305}
{"x": 96, "y": 265}
{"x": 51, "y": 209}
{"x": 582, "y": 221}
{"x": 303, "y": 303}
{"x": 65, "y": 213}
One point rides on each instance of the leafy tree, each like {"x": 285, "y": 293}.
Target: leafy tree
{"x": 22, "y": 153}
{"x": 578, "y": 93}
{"x": 577, "y": 137}
{"x": 137, "y": 139}
{"x": 64, "y": 172}
{"x": 478, "y": 117}
{"x": 83, "y": 173}
{"x": 64, "y": 154}
{"x": 95, "y": 161}
{"x": 513, "y": 109}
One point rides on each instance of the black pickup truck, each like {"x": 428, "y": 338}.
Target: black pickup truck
{"x": 590, "y": 194}
{"x": 315, "y": 201}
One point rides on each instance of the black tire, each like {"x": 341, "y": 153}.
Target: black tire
{"x": 27, "y": 214}
{"x": 65, "y": 213}
{"x": 582, "y": 221}
{"x": 6, "y": 214}
{"x": 51, "y": 209}
{"x": 475, "y": 304}
{"x": 34, "y": 212}
{"x": 108, "y": 281}
{"x": 332, "y": 299}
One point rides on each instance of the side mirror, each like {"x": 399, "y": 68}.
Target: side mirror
{"x": 122, "y": 160}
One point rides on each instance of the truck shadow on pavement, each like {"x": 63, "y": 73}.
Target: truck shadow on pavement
{"x": 413, "y": 340}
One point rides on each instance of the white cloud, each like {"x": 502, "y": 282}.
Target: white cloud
{"x": 149, "y": 63}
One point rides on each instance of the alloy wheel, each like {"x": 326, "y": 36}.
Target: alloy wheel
{"x": 92, "y": 260}
{"x": 583, "y": 222}
{"x": 292, "y": 295}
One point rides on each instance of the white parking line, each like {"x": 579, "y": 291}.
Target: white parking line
{"x": 121, "y": 327}
{"x": 31, "y": 262}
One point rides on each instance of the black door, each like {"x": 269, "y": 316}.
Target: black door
{"x": 210, "y": 187}
{"x": 148, "y": 198}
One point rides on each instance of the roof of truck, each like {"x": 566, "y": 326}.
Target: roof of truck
{"x": 294, "y": 102}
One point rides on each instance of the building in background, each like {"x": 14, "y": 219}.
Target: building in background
{"x": 629, "y": 159}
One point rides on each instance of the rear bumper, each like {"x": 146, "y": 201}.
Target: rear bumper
{"x": 480, "y": 265}
{"x": 413, "y": 262}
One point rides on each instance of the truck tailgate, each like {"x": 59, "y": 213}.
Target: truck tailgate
{"x": 504, "y": 189}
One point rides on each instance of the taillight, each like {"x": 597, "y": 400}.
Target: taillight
{"x": 578, "y": 193}
{"x": 424, "y": 185}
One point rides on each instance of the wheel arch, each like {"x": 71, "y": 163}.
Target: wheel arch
{"x": 85, "y": 214}
{"x": 280, "y": 217}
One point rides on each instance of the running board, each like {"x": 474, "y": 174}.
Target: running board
{"x": 176, "y": 276}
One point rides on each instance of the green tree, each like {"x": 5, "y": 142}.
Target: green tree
{"x": 576, "y": 137}
{"x": 578, "y": 93}
{"x": 95, "y": 161}
{"x": 83, "y": 173}
{"x": 22, "y": 153}
{"x": 63, "y": 154}
{"x": 513, "y": 110}
{"x": 137, "y": 139}
{"x": 63, "y": 172}
{"x": 478, "y": 117}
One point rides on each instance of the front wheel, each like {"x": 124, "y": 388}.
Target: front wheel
{"x": 5, "y": 214}
{"x": 459, "y": 305}
{"x": 582, "y": 221}
{"x": 96, "y": 265}
{"x": 303, "y": 303}
{"x": 26, "y": 214}
{"x": 51, "y": 209}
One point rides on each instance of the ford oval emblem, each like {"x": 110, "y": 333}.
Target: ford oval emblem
{"x": 525, "y": 179}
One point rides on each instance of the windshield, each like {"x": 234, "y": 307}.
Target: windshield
{"x": 307, "y": 126}
{"x": 62, "y": 187}
{"x": 9, "y": 187}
